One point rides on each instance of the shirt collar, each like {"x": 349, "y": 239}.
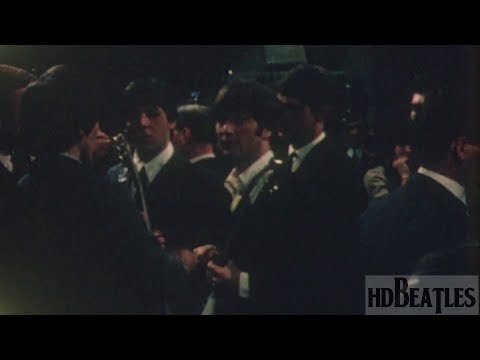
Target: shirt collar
{"x": 6, "y": 160}
{"x": 202, "y": 157}
{"x": 153, "y": 167}
{"x": 236, "y": 183}
{"x": 70, "y": 156}
{"x": 451, "y": 185}
{"x": 353, "y": 152}
{"x": 303, "y": 151}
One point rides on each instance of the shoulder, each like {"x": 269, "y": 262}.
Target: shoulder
{"x": 457, "y": 260}
{"x": 178, "y": 163}
{"x": 25, "y": 182}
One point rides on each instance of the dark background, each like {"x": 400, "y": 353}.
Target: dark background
{"x": 386, "y": 71}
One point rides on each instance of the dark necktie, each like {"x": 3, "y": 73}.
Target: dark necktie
{"x": 143, "y": 178}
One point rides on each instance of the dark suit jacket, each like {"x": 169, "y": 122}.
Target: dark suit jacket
{"x": 298, "y": 241}
{"x": 460, "y": 260}
{"x": 182, "y": 200}
{"x": 322, "y": 203}
{"x": 247, "y": 242}
{"x": 188, "y": 205}
{"x": 82, "y": 248}
{"x": 215, "y": 166}
{"x": 418, "y": 218}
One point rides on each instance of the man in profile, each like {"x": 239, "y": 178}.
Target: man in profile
{"x": 81, "y": 247}
{"x": 429, "y": 215}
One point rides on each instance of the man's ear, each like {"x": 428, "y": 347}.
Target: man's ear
{"x": 320, "y": 115}
{"x": 187, "y": 134}
{"x": 459, "y": 148}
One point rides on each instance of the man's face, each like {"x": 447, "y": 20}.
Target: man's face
{"x": 245, "y": 140}
{"x": 224, "y": 136}
{"x": 469, "y": 152}
{"x": 300, "y": 122}
{"x": 95, "y": 145}
{"x": 149, "y": 128}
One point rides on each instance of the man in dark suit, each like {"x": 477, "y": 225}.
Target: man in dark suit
{"x": 176, "y": 191}
{"x": 306, "y": 230}
{"x": 170, "y": 182}
{"x": 429, "y": 214}
{"x": 323, "y": 199}
{"x": 82, "y": 248}
{"x": 251, "y": 111}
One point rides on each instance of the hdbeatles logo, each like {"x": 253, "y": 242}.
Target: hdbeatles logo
{"x": 421, "y": 295}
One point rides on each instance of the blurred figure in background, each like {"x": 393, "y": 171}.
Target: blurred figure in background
{"x": 194, "y": 136}
{"x": 430, "y": 212}
{"x": 12, "y": 82}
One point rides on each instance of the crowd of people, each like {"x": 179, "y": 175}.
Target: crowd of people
{"x": 268, "y": 200}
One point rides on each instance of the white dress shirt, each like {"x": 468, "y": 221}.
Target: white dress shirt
{"x": 6, "y": 160}
{"x": 237, "y": 184}
{"x": 70, "y": 156}
{"x": 451, "y": 185}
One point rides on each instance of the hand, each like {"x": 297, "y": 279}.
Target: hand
{"x": 102, "y": 146}
{"x": 228, "y": 275}
{"x": 400, "y": 164}
{"x": 160, "y": 238}
{"x": 188, "y": 259}
{"x": 402, "y": 154}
